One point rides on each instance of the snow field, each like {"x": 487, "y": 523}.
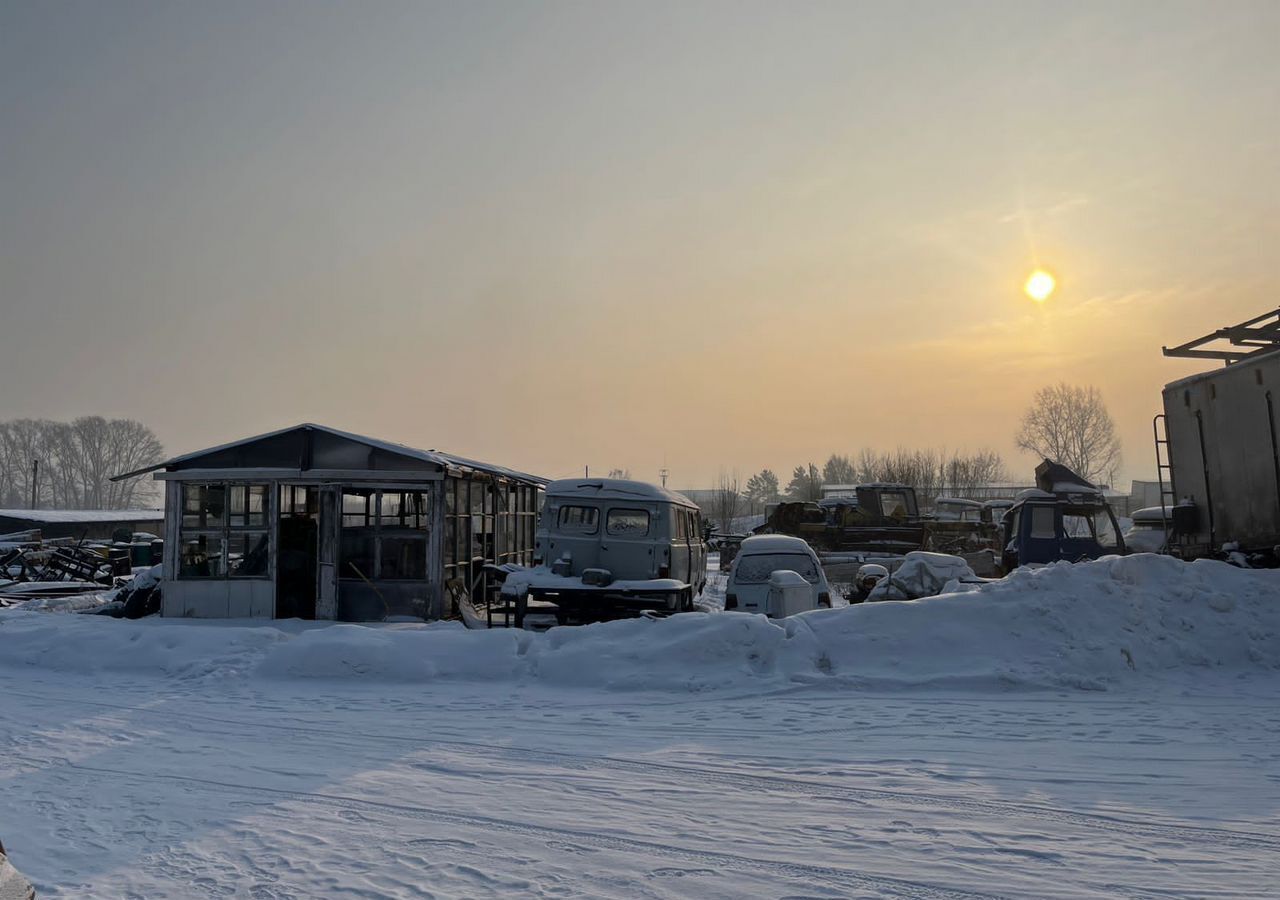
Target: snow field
{"x": 886, "y": 750}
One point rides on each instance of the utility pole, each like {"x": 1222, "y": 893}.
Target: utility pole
{"x": 663, "y": 472}
{"x": 35, "y": 481}
{"x": 586, "y": 471}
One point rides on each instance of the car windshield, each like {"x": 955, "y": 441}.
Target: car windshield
{"x": 756, "y": 568}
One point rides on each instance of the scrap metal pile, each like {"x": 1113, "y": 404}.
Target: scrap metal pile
{"x": 32, "y": 566}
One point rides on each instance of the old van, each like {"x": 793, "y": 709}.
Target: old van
{"x": 611, "y": 547}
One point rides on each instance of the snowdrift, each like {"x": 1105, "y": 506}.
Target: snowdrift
{"x": 1088, "y": 625}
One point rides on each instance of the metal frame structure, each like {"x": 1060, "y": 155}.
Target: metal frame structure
{"x": 1256, "y": 336}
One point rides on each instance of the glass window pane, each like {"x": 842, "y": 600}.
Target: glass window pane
{"x": 756, "y": 568}
{"x": 357, "y": 507}
{"x": 248, "y": 505}
{"x": 893, "y": 504}
{"x": 1042, "y": 526}
{"x": 1075, "y": 526}
{"x": 579, "y": 519}
{"x": 247, "y": 554}
{"x": 357, "y": 554}
{"x": 201, "y": 556}
{"x": 404, "y": 558}
{"x": 204, "y": 505}
{"x": 1105, "y": 531}
{"x": 192, "y": 504}
{"x": 627, "y": 523}
{"x": 404, "y": 509}
{"x": 257, "y": 504}
{"x": 238, "y": 503}
{"x": 477, "y": 498}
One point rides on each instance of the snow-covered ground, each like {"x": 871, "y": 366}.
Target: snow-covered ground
{"x": 1107, "y": 729}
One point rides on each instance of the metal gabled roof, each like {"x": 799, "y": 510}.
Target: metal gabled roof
{"x": 448, "y": 461}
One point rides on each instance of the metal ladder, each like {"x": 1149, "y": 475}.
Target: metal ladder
{"x": 1164, "y": 466}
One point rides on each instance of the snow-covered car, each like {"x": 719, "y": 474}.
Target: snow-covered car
{"x": 610, "y": 547}
{"x": 1147, "y": 533}
{"x": 749, "y": 588}
{"x": 924, "y": 574}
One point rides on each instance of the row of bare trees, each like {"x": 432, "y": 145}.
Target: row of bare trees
{"x": 930, "y": 471}
{"x": 70, "y": 464}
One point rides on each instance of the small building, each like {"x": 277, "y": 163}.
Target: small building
{"x": 316, "y": 523}
{"x": 86, "y": 524}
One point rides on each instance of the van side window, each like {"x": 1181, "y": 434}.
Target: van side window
{"x": 627, "y": 523}
{"x": 579, "y": 519}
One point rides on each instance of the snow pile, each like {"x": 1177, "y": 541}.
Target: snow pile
{"x": 1088, "y": 625}
{"x": 93, "y": 645}
{"x": 68, "y": 604}
{"x": 1085, "y": 625}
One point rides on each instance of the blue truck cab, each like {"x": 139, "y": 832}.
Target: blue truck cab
{"x": 1063, "y": 518}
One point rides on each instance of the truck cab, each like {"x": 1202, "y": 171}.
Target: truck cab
{"x": 1065, "y": 518}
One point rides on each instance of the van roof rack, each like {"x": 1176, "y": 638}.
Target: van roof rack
{"x": 1256, "y": 336}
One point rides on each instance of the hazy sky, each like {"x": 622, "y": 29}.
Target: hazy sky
{"x": 723, "y": 235}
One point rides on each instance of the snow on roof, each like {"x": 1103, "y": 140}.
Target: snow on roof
{"x": 958, "y": 501}
{"x": 773, "y": 543}
{"x": 436, "y": 457}
{"x": 62, "y": 516}
{"x": 614, "y": 489}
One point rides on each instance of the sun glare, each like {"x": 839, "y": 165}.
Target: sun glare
{"x": 1040, "y": 285}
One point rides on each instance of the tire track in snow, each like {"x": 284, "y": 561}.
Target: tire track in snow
{"x": 737, "y": 780}
{"x": 882, "y": 885}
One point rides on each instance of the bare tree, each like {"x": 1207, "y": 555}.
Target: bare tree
{"x": 727, "y": 502}
{"x": 620, "y": 473}
{"x": 1069, "y": 424}
{"x": 965, "y": 472}
{"x": 77, "y": 462}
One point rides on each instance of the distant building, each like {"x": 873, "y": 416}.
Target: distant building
{"x": 316, "y": 523}
{"x": 90, "y": 524}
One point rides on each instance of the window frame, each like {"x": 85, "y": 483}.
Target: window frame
{"x": 371, "y": 525}
{"x": 224, "y": 529}
{"x": 578, "y": 532}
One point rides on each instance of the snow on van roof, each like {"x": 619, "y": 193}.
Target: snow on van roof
{"x": 773, "y": 543}
{"x": 614, "y": 489}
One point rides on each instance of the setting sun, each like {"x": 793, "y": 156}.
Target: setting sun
{"x": 1040, "y": 285}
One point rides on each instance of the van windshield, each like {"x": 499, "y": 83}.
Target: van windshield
{"x": 755, "y": 569}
